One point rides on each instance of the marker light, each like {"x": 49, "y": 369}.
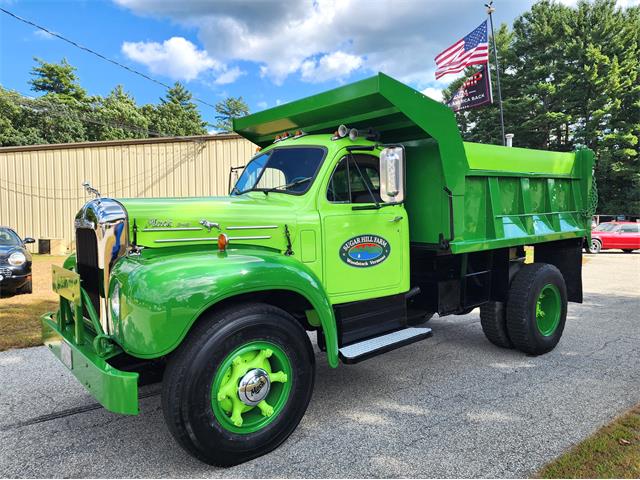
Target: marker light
{"x": 223, "y": 241}
{"x": 353, "y": 134}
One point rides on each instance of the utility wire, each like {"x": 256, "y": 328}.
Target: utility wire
{"x": 93, "y": 52}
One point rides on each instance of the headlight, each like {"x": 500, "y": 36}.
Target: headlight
{"x": 17, "y": 258}
{"x": 115, "y": 300}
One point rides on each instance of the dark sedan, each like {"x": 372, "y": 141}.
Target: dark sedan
{"x": 15, "y": 263}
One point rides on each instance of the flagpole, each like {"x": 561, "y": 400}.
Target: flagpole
{"x": 490, "y": 10}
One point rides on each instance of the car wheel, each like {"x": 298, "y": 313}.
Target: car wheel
{"x": 537, "y": 308}
{"x": 596, "y": 246}
{"x": 239, "y": 384}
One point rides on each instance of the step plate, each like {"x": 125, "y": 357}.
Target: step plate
{"x": 374, "y": 346}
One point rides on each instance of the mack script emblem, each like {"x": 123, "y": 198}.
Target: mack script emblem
{"x": 365, "y": 251}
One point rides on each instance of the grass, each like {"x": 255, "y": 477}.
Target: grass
{"x": 20, "y": 314}
{"x": 611, "y": 452}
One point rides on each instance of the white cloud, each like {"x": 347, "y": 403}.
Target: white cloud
{"x": 321, "y": 40}
{"x": 262, "y": 105}
{"x": 434, "y": 93}
{"x": 337, "y": 65}
{"x": 229, "y": 76}
{"x": 177, "y": 58}
{"x": 43, "y": 35}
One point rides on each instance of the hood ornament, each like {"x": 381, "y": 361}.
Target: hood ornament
{"x": 90, "y": 190}
{"x": 209, "y": 225}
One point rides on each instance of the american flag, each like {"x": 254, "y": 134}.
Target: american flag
{"x": 471, "y": 50}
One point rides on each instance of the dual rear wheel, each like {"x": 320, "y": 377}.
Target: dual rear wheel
{"x": 534, "y": 316}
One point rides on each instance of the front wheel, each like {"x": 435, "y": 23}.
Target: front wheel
{"x": 536, "y": 308}
{"x": 239, "y": 385}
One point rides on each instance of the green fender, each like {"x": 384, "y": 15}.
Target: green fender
{"x": 164, "y": 291}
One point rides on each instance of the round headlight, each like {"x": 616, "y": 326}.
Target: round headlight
{"x": 115, "y": 299}
{"x": 17, "y": 258}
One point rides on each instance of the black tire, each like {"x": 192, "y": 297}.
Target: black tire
{"x": 494, "y": 324}
{"x": 627, "y": 250}
{"x": 26, "y": 288}
{"x": 186, "y": 393}
{"x": 525, "y": 289}
{"x": 596, "y": 246}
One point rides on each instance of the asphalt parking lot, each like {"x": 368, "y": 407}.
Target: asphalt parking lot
{"x": 450, "y": 406}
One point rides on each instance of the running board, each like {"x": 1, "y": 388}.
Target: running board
{"x": 365, "y": 349}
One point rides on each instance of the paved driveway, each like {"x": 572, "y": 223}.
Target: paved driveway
{"x": 450, "y": 406}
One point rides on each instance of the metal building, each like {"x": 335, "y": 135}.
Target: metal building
{"x": 41, "y": 185}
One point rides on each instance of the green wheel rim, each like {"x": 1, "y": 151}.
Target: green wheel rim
{"x": 226, "y": 404}
{"x": 548, "y": 309}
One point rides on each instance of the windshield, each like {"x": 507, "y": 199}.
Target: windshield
{"x": 288, "y": 170}
{"x": 8, "y": 238}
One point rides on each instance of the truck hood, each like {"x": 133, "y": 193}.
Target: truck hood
{"x": 252, "y": 218}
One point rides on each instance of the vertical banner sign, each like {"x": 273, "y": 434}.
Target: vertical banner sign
{"x": 474, "y": 92}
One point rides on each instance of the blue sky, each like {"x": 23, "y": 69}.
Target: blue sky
{"x": 267, "y": 51}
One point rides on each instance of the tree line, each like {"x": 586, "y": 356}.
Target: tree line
{"x": 570, "y": 77}
{"x": 64, "y": 112}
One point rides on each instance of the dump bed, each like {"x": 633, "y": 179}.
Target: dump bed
{"x": 461, "y": 197}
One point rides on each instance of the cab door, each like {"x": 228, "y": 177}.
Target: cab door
{"x": 365, "y": 244}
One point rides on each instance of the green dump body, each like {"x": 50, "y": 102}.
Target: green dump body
{"x": 460, "y": 196}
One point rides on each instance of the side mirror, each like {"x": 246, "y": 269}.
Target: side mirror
{"x": 28, "y": 240}
{"x": 392, "y": 175}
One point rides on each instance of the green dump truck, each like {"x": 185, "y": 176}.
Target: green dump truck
{"x": 362, "y": 215}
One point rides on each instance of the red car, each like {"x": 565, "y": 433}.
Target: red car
{"x": 622, "y": 235}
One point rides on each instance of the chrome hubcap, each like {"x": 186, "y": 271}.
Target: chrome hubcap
{"x": 254, "y": 387}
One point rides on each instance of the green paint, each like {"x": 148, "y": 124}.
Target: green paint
{"x": 548, "y": 309}
{"x": 461, "y": 196}
{"x": 117, "y": 391}
{"x": 227, "y": 406}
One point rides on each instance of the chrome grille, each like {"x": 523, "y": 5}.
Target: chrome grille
{"x": 87, "y": 265}
{"x": 5, "y": 272}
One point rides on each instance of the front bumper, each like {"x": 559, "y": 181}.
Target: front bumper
{"x": 84, "y": 352}
{"x": 14, "y": 282}
{"x": 116, "y": 390}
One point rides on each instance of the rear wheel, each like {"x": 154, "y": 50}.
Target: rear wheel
{"x": 494, "y": 324}
{"x": 536, "y": 308}
{"x": 239, "y": 385}
{"x": 596, "y": 246}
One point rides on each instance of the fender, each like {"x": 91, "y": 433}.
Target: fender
{"x": 163, "y": 292}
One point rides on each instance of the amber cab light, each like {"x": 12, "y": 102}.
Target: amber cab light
{"x": 223, "y": 240}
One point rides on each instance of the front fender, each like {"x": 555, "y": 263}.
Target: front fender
{"x": 164, "y": 292}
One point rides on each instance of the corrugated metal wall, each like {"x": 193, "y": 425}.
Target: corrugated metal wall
{"x": 41, "y": 186}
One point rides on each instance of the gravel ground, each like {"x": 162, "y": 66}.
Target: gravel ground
{"x": 450, "y": 406}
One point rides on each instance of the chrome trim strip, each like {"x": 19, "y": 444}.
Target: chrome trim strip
{"x": 252, "y": 227}
{"x": 170, "y": 240}
{"x": 257, "y": 237}
{"x": 171, "y": 229}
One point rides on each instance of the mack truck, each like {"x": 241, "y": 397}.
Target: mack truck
{"x": 362, "y": 214}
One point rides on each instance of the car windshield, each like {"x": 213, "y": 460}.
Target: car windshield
{"x": 287, "y": 170}
{"x": 8, "y": 238}
{"x": 605, "y": 227}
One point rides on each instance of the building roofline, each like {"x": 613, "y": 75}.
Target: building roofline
{"x": 112, "y": 143}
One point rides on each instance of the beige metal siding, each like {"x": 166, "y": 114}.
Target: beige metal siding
{"x": 41, "y": 186}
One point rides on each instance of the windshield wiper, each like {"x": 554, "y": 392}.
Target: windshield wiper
{"x": 287, "y": 186}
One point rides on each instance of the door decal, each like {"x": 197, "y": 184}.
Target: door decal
{"x": 365, "y": 251}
